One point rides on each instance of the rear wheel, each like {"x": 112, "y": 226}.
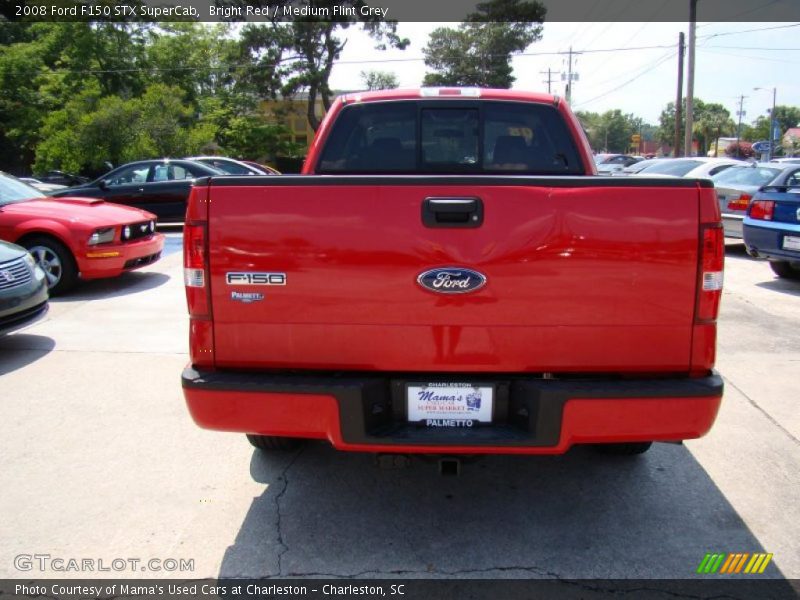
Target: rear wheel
{"x": 626, "y": 449}
{"x": 783, "y": 268}
{"x": 55, "y": 260}
{"x": 271, "y": 442}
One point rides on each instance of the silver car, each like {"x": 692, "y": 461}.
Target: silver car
{"x": 23, "y": 291}
{"x": 735, "y": 188}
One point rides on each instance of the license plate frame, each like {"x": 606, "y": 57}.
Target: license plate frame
{"x": 450, "y": 404}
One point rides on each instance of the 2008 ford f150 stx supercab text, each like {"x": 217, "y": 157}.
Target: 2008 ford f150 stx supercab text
{"x": 450, "y": 276}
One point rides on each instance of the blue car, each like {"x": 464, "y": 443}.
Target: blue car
{"x": 772, "y": 224}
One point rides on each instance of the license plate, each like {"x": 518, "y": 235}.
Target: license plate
{"x": 791, "y": 242}
{"x": 449, "y": 404}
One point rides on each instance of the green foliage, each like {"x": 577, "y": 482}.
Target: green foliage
{"x": 379, "y": 80}
{"x": 92, "y": 130}
{"x": 787, "y": 117}
{"x": 709, "y": 121}
{"x": 478, "y": 52}
{"x": 612, "y": 130}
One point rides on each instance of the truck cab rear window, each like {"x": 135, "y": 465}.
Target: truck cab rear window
{"x": 480, "y": 137}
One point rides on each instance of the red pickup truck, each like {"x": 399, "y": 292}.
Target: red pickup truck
{"x": 449, "y": 275}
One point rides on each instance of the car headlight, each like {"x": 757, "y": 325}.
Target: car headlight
{"x": 126, "y": 232}
{"x": 152, "y": 226}
{"x": 102, "y": 236}
{"x": 30, "y": 260}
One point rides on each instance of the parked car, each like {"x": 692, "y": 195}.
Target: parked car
{"x": 47, "y": 188}
{"x": 158, "y": 186}
{"x": 795, "y": 160}
{"x": 23, "y": 289}
{"x": 772, "y": 224}
{"x": 228, "y": 166}
{"x": 735, "y": 188}
{"x": 638, "y": 166}
{"x": 60, "y": 178}
{"x": 74, "y": 238}
{"x": 691, "y": 167}
{"x": 612, "y": 163}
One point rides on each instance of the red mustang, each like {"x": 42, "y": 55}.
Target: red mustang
{"x": 76, "y": 238}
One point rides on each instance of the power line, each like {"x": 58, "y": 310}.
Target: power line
{"x": 713, "y": 35}
{"x": 644, "y": 71}
{"x": 752, "y": 48}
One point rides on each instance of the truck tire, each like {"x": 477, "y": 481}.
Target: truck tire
{"x": 55, "y": 260}
{"x": 625, "y": 449}
{"x": 272, "y": 443}
{"x": 783, "y": 268}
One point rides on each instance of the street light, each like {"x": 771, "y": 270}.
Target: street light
{"x": 771, "y": 120}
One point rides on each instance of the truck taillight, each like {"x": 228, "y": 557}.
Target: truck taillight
{"x": 762, "y": 210}
{"x": 195, "y": 268}
{"x": 712, "y": 259}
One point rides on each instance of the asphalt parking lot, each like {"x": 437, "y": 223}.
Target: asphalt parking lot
{"x": 102, "y": 461}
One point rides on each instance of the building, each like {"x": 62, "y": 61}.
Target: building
{"x": 293, "y": 113}
{"x": 791, "y": 142}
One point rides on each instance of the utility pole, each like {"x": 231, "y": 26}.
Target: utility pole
{"x": 740, "y": 113}
{"x": 771, "y": 151}
{"x": 550, "y": 79}
{"x": 679, "y": 97}
{"x": 570, "y": 76}
{"x": 687, "y": 145}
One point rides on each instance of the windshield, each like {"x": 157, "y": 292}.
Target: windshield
{"x": 13, "y": 190}
{"x": 755, "y": 176}
{"x": 678, "y": 168}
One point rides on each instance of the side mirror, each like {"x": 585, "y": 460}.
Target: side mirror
{"x": 103, "y": 184}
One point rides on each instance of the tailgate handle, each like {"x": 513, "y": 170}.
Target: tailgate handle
{"x": 452, "y": 212}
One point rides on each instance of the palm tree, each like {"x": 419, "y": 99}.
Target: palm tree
{"x": 713, "y": 119}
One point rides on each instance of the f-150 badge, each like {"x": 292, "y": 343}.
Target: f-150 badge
{"x": 451, "y": 280}
{"x": 250, "y": 278}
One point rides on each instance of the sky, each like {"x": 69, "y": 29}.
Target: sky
{"x": 731, "y": 61}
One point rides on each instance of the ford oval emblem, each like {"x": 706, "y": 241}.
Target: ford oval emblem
{"x": 451, "y": 280}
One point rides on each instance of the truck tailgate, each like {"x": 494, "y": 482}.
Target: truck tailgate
{"x": 582, "y": 274}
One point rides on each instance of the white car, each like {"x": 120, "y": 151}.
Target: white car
{"x": 691, "y": 166}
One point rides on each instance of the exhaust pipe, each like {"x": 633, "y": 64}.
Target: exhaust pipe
{"x": 449, "y": 466}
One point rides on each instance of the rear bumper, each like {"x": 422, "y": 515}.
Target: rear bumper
{"x": 113, "y": 259}
{"x": 732, "y": 224}
{"x": 765, "y": 240}
{"x": 532, "y": 416}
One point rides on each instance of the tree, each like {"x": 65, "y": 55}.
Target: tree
{"x": 787, "y": 117}
{"x": 301, "y": 54}
{"x": 612, "y": 131}
{"x": 379, "y": 80}
{"x": 711, "y": 121}
{"x": 92, "y": 130}
{"x": 666, "y": 121}
{"x": 316, "y": 47}
{"x": 479, "y": 52}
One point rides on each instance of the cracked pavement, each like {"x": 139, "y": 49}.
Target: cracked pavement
{"x": 103, "y": 461}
